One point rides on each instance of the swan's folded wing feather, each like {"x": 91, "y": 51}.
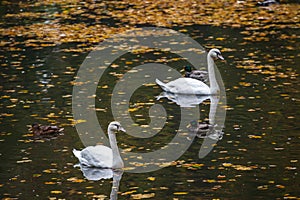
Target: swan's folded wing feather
{"x": 188, "y": 86}
{"x": 76, "y": 153}
{"x": 82, "y": 160}
{"x": 98, "y": 156}
{"x": 162, "y": 85}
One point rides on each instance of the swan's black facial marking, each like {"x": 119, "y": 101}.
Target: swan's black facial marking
{"x": 218, "y": 55}
{"x": 117, "y": 126}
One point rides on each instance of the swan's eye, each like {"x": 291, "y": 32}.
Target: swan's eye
{"x": 117, "y": 126}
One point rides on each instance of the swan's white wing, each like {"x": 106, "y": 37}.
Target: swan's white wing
{"x": 162, "y": 85}
{"x": 185, "y": 86}
{"x": 77, "y": 154}
{"x": 97, "y": 156}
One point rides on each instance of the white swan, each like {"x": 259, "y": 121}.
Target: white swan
{"x": 103, "y": 156}
{"x": 193, "y": 86}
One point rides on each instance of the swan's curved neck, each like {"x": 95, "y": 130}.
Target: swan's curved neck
{"x": 117, "y": 160}
{"x": 214, "y": 87}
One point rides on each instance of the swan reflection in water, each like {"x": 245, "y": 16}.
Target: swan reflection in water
{"x": 184, "y": 100}
{"x": 96, "y": 174}
{"x": 212, "y": 131}
{"x": 202, "y": 130}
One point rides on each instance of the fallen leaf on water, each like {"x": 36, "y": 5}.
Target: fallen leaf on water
{"x": 255, "y": 136}
{"x": 180, "y": 193}
{"x": 280, "y": 186}
{"x": 291, "y": 168}
{"x": 56, "y": 192}
{"x": 263, "y": 187}
{"x": 47, "y": 171}
{"x": 128, "y": 192}
{"x": 227, "y": 164}
{"x": 142, "y": 196}
{"x": 151, "y": 178}
{"x": 75, "y": 180}
{"x": 49, "y": 183}
{"x": 24, "y": 161}
{"x": 209, "y": 181}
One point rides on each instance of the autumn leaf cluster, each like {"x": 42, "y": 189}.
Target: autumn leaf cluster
{"x": 47, "y": 23}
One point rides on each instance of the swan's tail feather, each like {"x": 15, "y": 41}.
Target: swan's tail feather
{"x": 162, "y": 85}
{"x": 82, "y": 160}
{"x": 77, "y": 153}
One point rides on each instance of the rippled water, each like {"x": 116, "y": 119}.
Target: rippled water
{"x": 256, "y": 159}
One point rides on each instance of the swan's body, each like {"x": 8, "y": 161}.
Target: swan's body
{"x": 184, "y": 86}
{"x": 95, "y": 156}
{"x": 102, "y": 156}
{"x": 193, "y": 86}
{"x": 195, "y": 74}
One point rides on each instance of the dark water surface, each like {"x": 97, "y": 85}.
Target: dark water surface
{"x": 258, "y": 157}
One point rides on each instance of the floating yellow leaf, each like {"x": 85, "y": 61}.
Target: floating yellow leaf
{"x": 209, "y": 181}
{"x": 242, "y": 168}
{"x": 11, "y": 106}
{"x": 280, "y": 186}
{"x": 263, "y": 187}
{"x": 23, "y": 91}
{"x": 132, "y": 109}
{"x": 50, "y": 183}
{"x": 13, "y": 100}
{"x": 220, "y": 38}
{"x": 47, "y": 171}
{"x": 272, "y": 112}
{"x": 76, "y": 180}
{"x": 254, "y": 136}
{"x": 142, "y": 196}
{"x": 129, "y": 192}
{"x": 37, "y": 175}
{"x": 78, "y": 121}
{"x": 24, "y": 161}
{"x": 151, "y": 178}
{"x": 56, "y": 192}
{"x": 180, "y": 193}
{"x": 227, "y": 164}
{"x": 7, "y": 114}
